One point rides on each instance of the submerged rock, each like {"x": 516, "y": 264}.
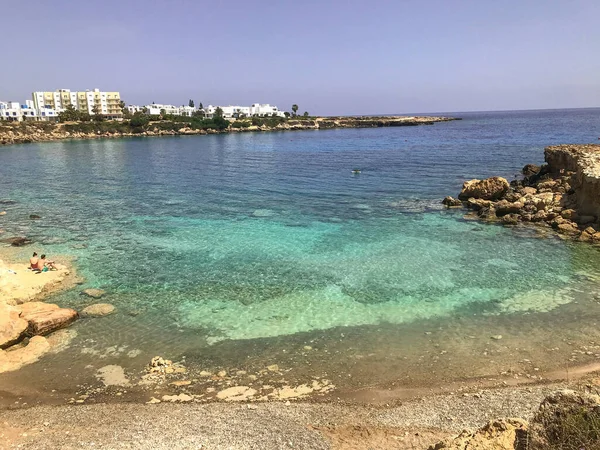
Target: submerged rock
{"x": 18, "y": 241}
{"x": 94, "y": 293}
{"x": 98, "y": 310}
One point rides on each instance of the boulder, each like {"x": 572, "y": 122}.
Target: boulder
{"x": 45, "y": 318}
{"x": 499, "y": 434}
{"x": 489, "y": 189}
{"x": 569, "y": 214}
{"x": 510, "y": 219}
{"x": 568, "y": 228}
{"x": 504, "y": 207}
{"x": 512, "y": 196}
{"x": 539, "y": 216}
{"x": 530, "y": 170}
{"x": 528, "y": 191}
{"x": 18, "y": 241}
{"x": 94, "y": 293}
{"x": 451, "y": 202}
{"x": 477, "y": 204}
{"x": 487, "y": 213}
{"x": 12, "y": 326}
{"x": 98, "y": 310}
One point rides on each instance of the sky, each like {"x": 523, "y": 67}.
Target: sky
{"x": 329, "y": 57}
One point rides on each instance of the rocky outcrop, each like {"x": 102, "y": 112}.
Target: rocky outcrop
{"x": 500, "y": 434}
{"x": 563, "y": 194}
{"x": 584, "y": 162}
{"x": 567, "y": 419}
{"x": 44, "y": 318}
{"x": 19, "y": 133}
{"x": 489, "y": 189}
{"x": 12, "y": 326}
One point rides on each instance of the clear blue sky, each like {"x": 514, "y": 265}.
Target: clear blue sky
{"x": 330, "y": 57}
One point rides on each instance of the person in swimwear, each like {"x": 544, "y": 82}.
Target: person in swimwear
{"x": 33, "y": 261}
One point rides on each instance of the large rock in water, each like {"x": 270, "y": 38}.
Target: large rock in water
{"x": 94, "y": 293}
{"x": 44, "y": 318}
{"x": 500, "y": 434}
{"x": 12, "y": 327}
{"x": 98, "y": 310}
{"x": 489, "y": 189}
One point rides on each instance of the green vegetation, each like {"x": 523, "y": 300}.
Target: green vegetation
{"x": 295, "y": 109}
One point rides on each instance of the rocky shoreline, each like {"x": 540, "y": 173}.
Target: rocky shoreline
{"x": 29, "y": 327}
{"x": 43, "y": 132}
{"x": 562, "y": 195}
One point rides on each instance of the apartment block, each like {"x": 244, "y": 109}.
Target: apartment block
{"x": 107, "y": 103}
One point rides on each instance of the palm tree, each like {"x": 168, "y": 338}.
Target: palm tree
{"x": 295, "y": 108}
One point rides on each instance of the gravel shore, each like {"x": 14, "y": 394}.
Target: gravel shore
{"x": 415, "y": 424}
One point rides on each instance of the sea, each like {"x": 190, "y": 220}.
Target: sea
{"x": 239, "y": 251}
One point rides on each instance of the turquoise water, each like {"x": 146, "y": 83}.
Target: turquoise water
{"x": 261, "y": 235}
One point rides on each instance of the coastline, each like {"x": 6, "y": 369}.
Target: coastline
{"x": 380, "y": 416}
{"x": 28, "y": 132}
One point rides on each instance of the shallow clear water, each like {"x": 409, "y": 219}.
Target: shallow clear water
{"x": 261, "y": 235}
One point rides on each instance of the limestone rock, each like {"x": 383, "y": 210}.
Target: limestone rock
{"x": 500, "y": 434}
{"x": 530, "y": 170}
{"x": 477, "y": 204}
{"x": 12, "y": 326}
{"x": 489, "y": 189}
{"x": 451, "y": 202}
{"x": 94, "y": 293}
{"x": 567, "y": 228}
{"x": 528, "y": 191}
{"x": 98, "y": 310}
{"x": 566, "y": 419}
{"x": 45, "y": 318}
{"x": 503, "y": 207}
{"x": 19, "y": 356}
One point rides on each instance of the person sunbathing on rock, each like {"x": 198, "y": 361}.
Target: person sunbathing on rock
{"x": 45, "y": 265}
{"x": 33, "y": 261}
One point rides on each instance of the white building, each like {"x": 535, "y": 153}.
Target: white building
{"x": 16, "y": 112}
{"x": 228, "y": 111}
{"x": 265, "y": 109}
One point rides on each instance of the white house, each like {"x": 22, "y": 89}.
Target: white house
{"x": 228, "y": 111}
{"x": 265, "y": 109}
{"x": 15, "y": 112}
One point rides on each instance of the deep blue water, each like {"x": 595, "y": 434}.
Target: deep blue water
{"x": 263, "y": 234}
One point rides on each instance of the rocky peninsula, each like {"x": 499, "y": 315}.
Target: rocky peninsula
{"x": 26, "y": 132}
{"x": 562, "y": 195}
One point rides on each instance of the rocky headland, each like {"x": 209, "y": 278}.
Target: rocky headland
{"x": 19, "y": 133}
{"x": 561, "y": 195}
